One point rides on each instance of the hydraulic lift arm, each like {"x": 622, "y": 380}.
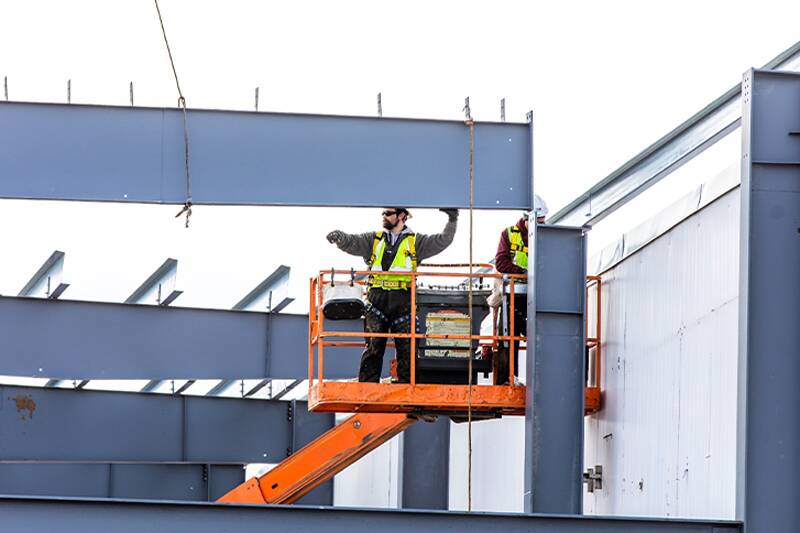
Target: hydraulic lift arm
{"x": 321, "y": 459}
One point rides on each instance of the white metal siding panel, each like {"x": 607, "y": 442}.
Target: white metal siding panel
{"x": 666, "y": 435}
{"x": 498, "y": 461}
{"x": 497, "y": 465}
{"x": 372, "y": 481}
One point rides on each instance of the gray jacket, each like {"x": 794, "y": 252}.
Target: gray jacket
{"x": 427, "y": 245}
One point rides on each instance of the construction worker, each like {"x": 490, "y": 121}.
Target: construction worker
{"x": 395, "y": 249}
{"x": 512, "y": 258}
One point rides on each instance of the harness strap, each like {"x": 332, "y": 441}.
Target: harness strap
{"x": 519, "y": 245}
{"x": 375, "y": 242}
{"x": 412, "y": 250}
{"x": 371, "y": 309}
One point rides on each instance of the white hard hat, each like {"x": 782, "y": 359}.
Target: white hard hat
{"x": 539, "y": 206}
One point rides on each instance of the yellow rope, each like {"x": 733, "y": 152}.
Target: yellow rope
{"x": 187, "y": 205}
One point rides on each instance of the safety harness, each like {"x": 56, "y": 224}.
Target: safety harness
{"x": 519, "y": 250}
{"x": 405, "y": 260}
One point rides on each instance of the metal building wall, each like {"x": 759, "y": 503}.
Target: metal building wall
{"x": 666, "y": 437}
{"x": 372, "y": 481}
{"x": 498, "y": 447}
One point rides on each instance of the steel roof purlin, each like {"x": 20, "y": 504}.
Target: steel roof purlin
{"x": 666, "y": 155}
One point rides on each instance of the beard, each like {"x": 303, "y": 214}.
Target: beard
{"x": 388, "y": 225}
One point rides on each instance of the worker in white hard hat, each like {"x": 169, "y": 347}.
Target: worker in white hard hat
{"x": 512, "y": 258}
{"x": 540, "y": 208}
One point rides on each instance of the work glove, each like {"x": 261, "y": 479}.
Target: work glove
{"x": 452, "y": 214}
{"x": 335, "y": 237}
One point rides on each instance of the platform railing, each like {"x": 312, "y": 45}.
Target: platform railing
{"x": 319, "y": 336}
{"x": 594, "y": 342}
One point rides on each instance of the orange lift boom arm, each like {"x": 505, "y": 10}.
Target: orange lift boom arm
{"x": 321, "y": 459}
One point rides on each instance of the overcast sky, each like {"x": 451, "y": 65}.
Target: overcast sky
{"x": 604, "y": 80}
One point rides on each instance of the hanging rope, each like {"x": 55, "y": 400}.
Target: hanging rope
{"x": 187, "y": 205}
{"x": 469, "y": 122}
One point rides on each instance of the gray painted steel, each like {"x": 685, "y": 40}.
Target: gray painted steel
{"x": 155, "y": 283}
{"x": 529, "y": 481}
{"x": 38, "y": 424}
{"x": 46, "y": 282}
{"x": 260, "y": 298}
{"x": 85, "y": 516}
{"x": 159, "y": 481}
{"x": 179, "y": 481}
{"x": 90, "y": 340}
{"x": 426, "y": 465}
{"x": 126, "y": 154}
{"x": 555, "y": 375}
{"x": 769, "y": 299}
{"x": 666, "y": 155}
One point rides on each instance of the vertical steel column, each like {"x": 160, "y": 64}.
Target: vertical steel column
{"x": 768, "y": 430}
{"x": 555, "y": 367}
{"x": 531, "y": 441}
{"x": 426, "y": 465}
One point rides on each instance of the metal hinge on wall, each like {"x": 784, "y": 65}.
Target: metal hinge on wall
{"x": 593, "y": 477}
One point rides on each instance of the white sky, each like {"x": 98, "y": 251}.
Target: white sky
{"x": 604, "y": 79}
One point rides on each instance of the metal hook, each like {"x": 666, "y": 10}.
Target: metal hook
{"x": 352, "y": 276}
{"x": 467, "y": 111}
{"x": 380, "y": 106}
{"x": 332, "y": 273}
{"x": 131, "y": 91}
{"x": 256, "y": 98}
{"x": 502, "y": 110}
{"x": 69, "y": 91}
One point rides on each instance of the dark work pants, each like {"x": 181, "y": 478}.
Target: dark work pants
{"x": 520, "y": 328}
{"x": 391, "y": 313}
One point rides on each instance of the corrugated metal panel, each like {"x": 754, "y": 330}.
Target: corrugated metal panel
{"x": 666, "y": 436}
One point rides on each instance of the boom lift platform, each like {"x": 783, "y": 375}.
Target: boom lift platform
{"x": 383, "y": 410}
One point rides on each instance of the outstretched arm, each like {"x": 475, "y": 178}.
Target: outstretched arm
{"x": 430, "y": 245}
{"x": 359, "y": 244}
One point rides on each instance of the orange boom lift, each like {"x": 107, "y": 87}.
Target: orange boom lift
{"x": 383, "y": 410}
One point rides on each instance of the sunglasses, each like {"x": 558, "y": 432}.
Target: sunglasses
{"x": 389, "y": 213}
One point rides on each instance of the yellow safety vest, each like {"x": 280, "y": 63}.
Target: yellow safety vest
{"x": 405, "y": 260}
{"x": 519, "y": 250}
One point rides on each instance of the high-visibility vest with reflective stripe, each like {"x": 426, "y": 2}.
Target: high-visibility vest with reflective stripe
{"x": 519, "y": 250}
{"x": 405, "y": 260}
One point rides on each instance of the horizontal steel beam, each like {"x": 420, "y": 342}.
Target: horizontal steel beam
{"x": 158, "y": 481}
{"x": 666, "y": 155}
{"x": 135, "y": 154}
{"x": 90, "y": 340}
{"x": 38, "y": 424}
{"x": 201, "y": 482}
{"x": 87, "y": 516}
